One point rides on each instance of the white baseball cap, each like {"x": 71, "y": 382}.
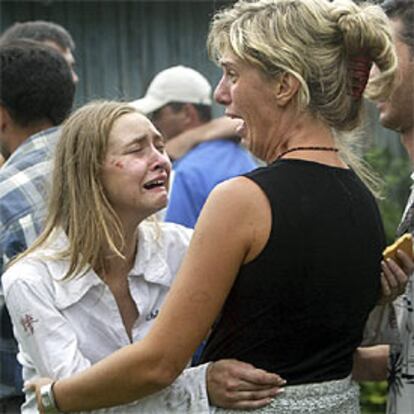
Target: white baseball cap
{"x": 175, "y": 84}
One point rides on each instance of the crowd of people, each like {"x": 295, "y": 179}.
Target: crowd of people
{"x": 261, "y": 266}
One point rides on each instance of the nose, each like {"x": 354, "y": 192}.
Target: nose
{"x": 161, "y": 160}
{"x": 221, "y": 93}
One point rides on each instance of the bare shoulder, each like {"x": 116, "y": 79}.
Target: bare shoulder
{"x": 240, "y": 210}
{"x": 236, "y": 194}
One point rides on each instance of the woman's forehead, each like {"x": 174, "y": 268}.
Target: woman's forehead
{"x": 131, "y": 128}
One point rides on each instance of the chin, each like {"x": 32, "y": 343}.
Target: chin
{"x": 154, "y": 207}
{"x": 162, "y": 204}
{"x": 389, "y": 122}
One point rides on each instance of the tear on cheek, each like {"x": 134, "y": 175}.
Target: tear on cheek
{"x": 119, "y": 164}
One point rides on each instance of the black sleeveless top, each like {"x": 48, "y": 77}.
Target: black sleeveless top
{"x": 300, "y": 307}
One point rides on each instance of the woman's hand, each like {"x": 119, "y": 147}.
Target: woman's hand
{"x": 238, "y": 385}
{"x": 394, "y": 277}
{"x": 34, "y": 386}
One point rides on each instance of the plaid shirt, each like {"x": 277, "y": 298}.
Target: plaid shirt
{"x": 24, "y": 180}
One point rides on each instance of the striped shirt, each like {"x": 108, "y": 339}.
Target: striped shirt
{"x": 24, "y": 180}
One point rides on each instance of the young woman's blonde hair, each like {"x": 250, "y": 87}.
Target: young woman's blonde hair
{"x": 317, "y": 42}
{"x": 78, "y": 203}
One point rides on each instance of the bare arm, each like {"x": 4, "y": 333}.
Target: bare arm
{"x": 370, "y": 363}
{"x": 221, "y": 243}
{"x": 218, "y": 128}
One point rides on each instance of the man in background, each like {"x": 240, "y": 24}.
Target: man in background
{"x": 49, "y": 33}
{"x": 36, "y": 95}
{"x": 179, "y": 100}
{"x": 397, "y": 327}
{"x": 398, "y": 114}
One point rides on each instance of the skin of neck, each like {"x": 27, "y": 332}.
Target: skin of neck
{"x": 407, "y": 139}
{"x": 298, "y": 130}
{"x": 115, "y": 264}
{"x": 19, "y": 134}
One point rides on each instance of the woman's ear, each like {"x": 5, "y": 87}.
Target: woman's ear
{"x": 286, "y": 88}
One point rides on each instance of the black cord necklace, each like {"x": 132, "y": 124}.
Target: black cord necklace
{"x": 333, "y": 149}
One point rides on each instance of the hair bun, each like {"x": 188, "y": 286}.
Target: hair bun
{"x": 354, "y": 23}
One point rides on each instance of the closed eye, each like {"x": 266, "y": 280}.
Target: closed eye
{"x": 135, "y": 150}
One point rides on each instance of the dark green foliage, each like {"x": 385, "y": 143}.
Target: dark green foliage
{"x": 395, "y": 172}
{"x": 373, "y": 397}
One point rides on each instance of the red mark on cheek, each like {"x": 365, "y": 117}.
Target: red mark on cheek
{"x": 28, "y": 322}
{"x": 116, "y": 163}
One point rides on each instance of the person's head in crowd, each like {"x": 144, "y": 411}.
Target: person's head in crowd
{"x": 397, "y": 112}
{"x": 50, "y": 33}
{"x": 177, "y": 99}
{"x": 115, "y": 155}
{"x": 36, "y": 90}
{"x": 313, "y": 55}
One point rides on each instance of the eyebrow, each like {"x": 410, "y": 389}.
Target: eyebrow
{"x": 228, "y": 65}
{"x": 228, "y": 60}
{"x": 224, "y": 62}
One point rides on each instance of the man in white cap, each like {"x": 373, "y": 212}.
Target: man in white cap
{"x": 179, "y": 100}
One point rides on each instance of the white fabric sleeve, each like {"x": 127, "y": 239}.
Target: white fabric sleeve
{"x": 46, "y": 339}
{"x": 188, "y": 394}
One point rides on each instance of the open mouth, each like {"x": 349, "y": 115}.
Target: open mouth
{"x": 154, "y": 184}
{"x": 232, "y": 116}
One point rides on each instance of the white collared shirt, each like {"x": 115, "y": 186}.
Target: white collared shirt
{"x": 64, "y": 327}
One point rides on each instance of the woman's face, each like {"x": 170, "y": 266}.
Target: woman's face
{"x": 248, "y": 95}
{"x": 136, "y": 169}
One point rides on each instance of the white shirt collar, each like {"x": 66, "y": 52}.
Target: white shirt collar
{"x": 149, "y": 263}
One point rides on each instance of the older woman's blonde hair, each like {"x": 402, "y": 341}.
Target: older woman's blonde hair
{"x": 317, "y": 42}
{"x": 78, "y": 203}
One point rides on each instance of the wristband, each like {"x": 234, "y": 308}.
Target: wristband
{"x": 47, "y": 399}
